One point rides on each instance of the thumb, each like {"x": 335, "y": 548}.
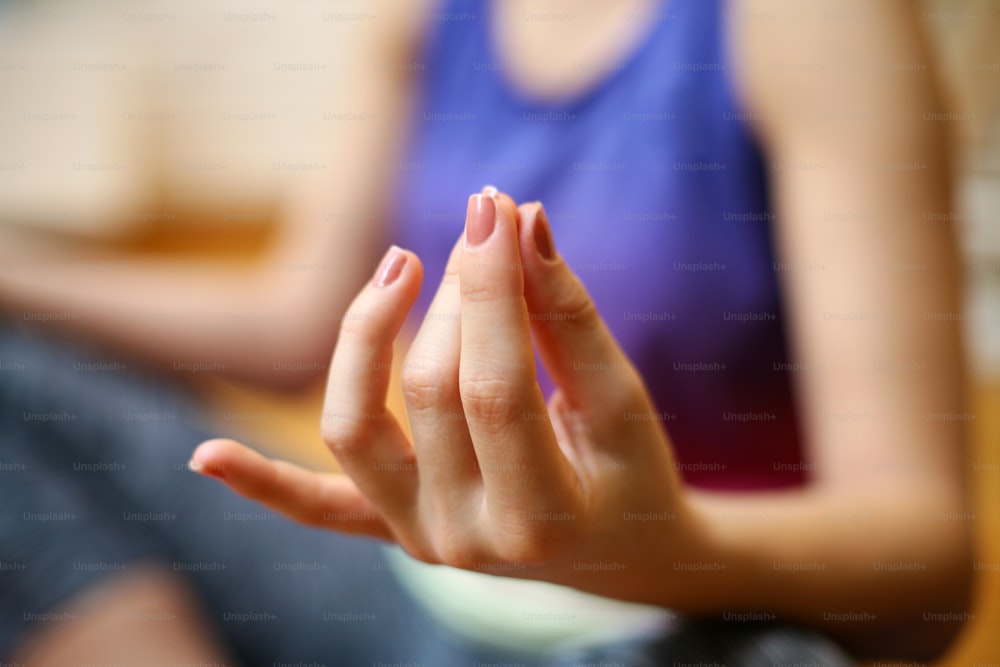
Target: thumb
{"x": 578, "y": 350}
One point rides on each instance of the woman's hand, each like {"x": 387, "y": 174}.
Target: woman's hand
{"x": 580, "y": 492}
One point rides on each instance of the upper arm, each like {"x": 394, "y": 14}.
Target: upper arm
{"x": 333, "y": 221}
{"x": 844, "y": 96}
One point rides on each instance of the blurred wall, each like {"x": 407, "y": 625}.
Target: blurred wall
{"x": 966, "y": 37}
{"x": 111, "y": 107}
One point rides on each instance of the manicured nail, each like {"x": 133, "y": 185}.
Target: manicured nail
{"x": 480, "y": 219}
{"x": 202, "y": 469}
{"x": 543, "y": 235}
{"x": 390, "y": 268}
{"x": 489, "y": 191}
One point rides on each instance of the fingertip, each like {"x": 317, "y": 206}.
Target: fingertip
{"x": 380, "y": 308}
{"x": 506, "y": 202}
{"x": 413, "y": 274}
{"x": 395, "y": 264}
{"x": 207, "y": 469}
{"x": 509, "y": 207}
{"x": 211, "y": 448}
{"x": 528, "y": 214}
{"x": 544, "y": 268}
{"x": 210, "y": 456}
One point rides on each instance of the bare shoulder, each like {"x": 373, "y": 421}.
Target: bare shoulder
{"x": 845, "y": 65}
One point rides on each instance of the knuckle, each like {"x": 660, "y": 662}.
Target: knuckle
{"x": 425, "y": 386}
{"x": 576, "y": 308}
{"x": 491, "y": 399}
{"x": 491, "y": 281}
{"x": 480, "y": 291}
{"x": 343, "y": 434}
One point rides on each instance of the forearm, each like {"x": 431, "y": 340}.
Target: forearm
{"x": 861, "y": 569}
{"x": 186, "y": 318}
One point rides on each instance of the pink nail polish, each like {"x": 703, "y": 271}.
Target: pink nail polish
{"x": 480, "y": 219}
{"x": 390, "y": 267}
{"x": 543, "y": 235}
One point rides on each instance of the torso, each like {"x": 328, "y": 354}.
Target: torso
{"x": 656, "y": 191}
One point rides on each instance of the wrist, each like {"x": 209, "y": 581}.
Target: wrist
{"x": 693, "y": 562}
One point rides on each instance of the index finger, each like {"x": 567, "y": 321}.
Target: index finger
{"x": 357, "y": 425}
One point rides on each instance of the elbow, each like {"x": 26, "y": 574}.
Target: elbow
{"x": 290, "y": 357}
{"x": 951, "y": 603}
{"x": 298, "y": 339}
{"x": 943, "y": 618}
{"x": 298, "y": 364}
{"x": 948, "y": 597}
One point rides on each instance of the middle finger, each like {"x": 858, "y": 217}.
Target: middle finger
{"x": 449, "y": 477}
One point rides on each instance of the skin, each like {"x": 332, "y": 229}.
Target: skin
{"x": 147, "y": 613}
{"x": 480, "y": 483}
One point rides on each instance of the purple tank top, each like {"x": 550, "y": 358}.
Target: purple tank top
{"x": 658, "y": 198}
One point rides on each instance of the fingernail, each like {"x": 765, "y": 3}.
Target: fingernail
{"x": 543, "y": 235}
{"x": 480, "y": 219}
{"x": 202, "y": 469}
{"x": 390, "y": 268}
{"x": 489, "y": 191}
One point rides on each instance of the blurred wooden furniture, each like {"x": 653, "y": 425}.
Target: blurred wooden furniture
{"x": 980, "y": 641}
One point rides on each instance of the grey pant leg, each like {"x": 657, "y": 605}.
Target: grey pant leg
{"x": 111, "y": 449}
{"x": 712, "y": 643}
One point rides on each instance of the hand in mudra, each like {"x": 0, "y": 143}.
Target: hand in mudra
{"x": 492, "y": 474}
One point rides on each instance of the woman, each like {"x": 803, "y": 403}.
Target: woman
{"x": 720, "y": 175}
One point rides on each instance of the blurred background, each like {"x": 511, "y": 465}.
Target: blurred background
{"x": 126, "y": 120}
{"x": 182, "y": 130}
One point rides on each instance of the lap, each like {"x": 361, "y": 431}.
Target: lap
{"x": 98, "y": 480}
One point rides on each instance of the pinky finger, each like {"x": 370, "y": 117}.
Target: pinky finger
{"x": 321, "y": 500}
